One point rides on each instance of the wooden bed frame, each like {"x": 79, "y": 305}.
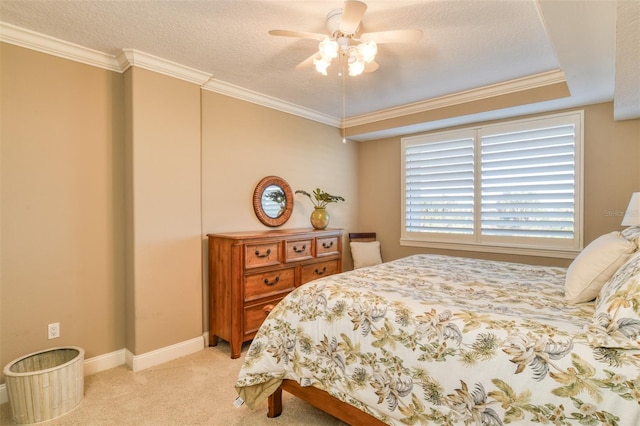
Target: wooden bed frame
{"x": 322, "y": 400}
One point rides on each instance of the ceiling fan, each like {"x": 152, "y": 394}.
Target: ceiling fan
{"x": 342, "y": 41}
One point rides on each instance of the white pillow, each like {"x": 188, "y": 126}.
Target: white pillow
{"x": 365, "y": 254}
{"x": 595, "y": 265}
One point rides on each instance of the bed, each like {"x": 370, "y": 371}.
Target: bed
{"x": 432, "y": 339}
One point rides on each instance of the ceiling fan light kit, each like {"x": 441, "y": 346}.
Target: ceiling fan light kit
{"x": 356, "y": 53}
{"x": 357, "y": 56}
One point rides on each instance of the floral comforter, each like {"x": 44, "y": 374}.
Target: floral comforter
{"x": 432, "y": 339}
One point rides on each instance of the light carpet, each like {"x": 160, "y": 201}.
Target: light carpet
{"x": 197, "y": 389}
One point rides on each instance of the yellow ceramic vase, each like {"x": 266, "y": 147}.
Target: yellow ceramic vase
{"x": 319, "y": 218}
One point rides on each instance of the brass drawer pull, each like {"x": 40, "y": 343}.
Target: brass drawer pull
{"x": 321, "y": 272}
{"x": 329, "y": 245}
{"x": 300, "y": 250}
{"x": 258, "y": 254}
{"x": 274, "y": 282}
{"x": 267, "y": 309}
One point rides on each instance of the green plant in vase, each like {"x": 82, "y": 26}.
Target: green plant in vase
{"x": 320, "y": 199}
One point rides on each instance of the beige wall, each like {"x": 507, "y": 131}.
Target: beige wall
{"x": 85, "y": 150}
{"x": 163, "y": 262}
{"x": 243, "y": 142}
{"x": 62, "y": 205}
{"x": 612, "y": 169}
{"x": 611, "y": 174}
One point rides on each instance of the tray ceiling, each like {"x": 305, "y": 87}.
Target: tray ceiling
{"x": 466, "y": 45}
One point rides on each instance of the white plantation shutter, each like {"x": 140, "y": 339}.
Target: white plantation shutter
{"x": 528, "y": 183}
{"x": 515, "y": 185}
{"x": 439, "y": 192}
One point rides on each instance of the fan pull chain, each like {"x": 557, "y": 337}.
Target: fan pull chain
{"x": 344, "y": 111}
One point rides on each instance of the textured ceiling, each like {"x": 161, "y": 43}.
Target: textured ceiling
{"x": 466, "y": 45}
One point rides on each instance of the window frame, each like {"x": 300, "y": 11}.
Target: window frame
{"x": 513, "y": 245}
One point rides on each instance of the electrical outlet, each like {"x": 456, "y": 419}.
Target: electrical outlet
{"x": 53, "y": 330}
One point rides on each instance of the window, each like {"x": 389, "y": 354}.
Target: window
{"x": 513, "y": 187}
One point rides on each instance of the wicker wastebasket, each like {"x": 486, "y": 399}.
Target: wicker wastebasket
{"x": 45, "y": 385}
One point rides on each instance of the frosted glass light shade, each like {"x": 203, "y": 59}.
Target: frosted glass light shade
{"x": 356, "y": 68}
{"x": 328, "y": 49}
{"x": 321, "y": 65}
{"x": 368, "y": 51}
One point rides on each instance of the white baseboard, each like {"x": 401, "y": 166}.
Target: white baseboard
{"x": 159, "y": 356}
{"x": 103, "y": 362}
{"x": 135, "y": 362}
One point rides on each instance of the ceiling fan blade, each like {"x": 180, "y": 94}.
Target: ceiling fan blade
{"x": 393, "y": 36}
{"x": 371, "y": 66}
{"x": 352, "y": 13}
{"x": 308, "y": 62}
{"x": 299, "y": 34}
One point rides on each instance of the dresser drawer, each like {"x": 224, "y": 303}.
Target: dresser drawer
{"x": 263, "y": 254}
{"x": 299, "y": 250}
{"x": 266, "y": 283}
{"x": 254, "y": 315}
{"x": 318, "y": 270}
{"x": 327, "y": 246}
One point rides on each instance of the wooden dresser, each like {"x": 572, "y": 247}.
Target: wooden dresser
{"x": 250, "y": 272}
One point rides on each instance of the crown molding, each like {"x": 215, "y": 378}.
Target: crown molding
{"x": 43, "y": 43}
{"x": 241, "y": 93}
{"x": 124, "y": 60}
{"x": 130, "y": 57}
{"x": 134, "y": 58}
{"x": 493, "y": 90}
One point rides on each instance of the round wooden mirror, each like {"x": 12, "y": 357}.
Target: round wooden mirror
{"x": 273, "y": 201}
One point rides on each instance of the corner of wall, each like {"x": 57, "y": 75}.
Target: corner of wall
{"x": 162, "y": 355}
